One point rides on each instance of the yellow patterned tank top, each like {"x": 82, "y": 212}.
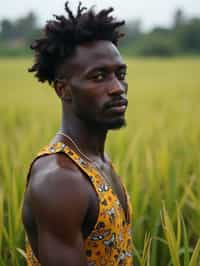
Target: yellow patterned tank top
{"x": 110, "y": 242}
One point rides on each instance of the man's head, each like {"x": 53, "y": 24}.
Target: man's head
{"x": 79, "y": 56}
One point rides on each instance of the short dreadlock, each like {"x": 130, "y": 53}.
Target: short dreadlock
{"x": 62, "y": 35}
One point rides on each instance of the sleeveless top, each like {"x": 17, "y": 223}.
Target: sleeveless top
{"x": 110, "y": 242}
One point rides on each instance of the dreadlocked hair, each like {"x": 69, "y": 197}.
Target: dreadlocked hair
{"x": 62, "y": 35}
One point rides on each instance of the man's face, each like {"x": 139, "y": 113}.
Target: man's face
{"x": 98, "y": 85}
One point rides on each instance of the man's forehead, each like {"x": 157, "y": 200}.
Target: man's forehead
{"x": 96, "y": 54}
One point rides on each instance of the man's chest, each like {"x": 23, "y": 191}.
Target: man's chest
{"x": 111, "y": 178}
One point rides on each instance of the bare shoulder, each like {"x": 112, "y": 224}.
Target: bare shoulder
{"x": 56, "y": 188}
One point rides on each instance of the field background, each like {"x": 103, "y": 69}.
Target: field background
{"x": 157, "y": 154}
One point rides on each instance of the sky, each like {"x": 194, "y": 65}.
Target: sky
{"x": 151, "y": 12}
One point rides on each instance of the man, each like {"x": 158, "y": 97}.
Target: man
{"x": 76, "y": 211}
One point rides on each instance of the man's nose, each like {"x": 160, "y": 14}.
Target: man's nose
{"x": 117, "y": 87}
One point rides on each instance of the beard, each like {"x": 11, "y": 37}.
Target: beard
{"x": 114, "y": 124}
{"x": 97, "y": 124}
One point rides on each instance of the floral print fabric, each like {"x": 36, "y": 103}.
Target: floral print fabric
{"x": 110, "y": 242}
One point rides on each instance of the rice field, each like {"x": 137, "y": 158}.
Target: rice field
{"x": 157, "y": 155}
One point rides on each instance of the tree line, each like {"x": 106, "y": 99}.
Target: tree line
{"x": 182, "y": 38}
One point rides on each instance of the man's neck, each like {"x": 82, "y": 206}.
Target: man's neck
{"x": 90, "y": 140}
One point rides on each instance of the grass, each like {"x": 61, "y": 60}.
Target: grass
{"x": 157, "y": 154}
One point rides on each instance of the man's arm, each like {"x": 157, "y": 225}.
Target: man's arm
{"x": 59, "y": 201}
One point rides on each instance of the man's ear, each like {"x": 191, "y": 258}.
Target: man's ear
{"x": 63, "y": 90}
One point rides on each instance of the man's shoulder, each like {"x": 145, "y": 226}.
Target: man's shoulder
{"x": 54, "y": 177}
{"x": 55, "y": 166}
{"x": 45, "y": 164}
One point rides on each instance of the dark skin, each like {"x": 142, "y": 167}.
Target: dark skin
{"x": 60, "y": 204}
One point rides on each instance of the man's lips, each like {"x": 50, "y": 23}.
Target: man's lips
{"x": 118, "y": 106}
{"x": 117, "y": 103}
{"x": 117, "y": 109}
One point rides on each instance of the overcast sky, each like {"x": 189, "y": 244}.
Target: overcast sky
{"x": 151, "y": 12}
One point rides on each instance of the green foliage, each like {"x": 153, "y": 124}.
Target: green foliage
{"x": 189, "y": 36}
{"x": 16, "y": 36}
{"x": 6, "y": 51}
{"x": 157, "y": 44}
{"x": 157, "y": 155}
{"x": 182, "y": 38}
{"x": 21, "y": 28}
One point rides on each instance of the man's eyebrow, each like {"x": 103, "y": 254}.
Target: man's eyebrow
{"x": 105, "y": 68}
{"x": 123, "y": 66}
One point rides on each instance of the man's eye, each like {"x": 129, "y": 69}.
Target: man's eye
{"x": 99, "y": 76}
{"x": 121, "y": 75}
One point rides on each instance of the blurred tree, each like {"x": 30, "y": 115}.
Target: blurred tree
{"x": 16, "y": 36}
{"x": 157, "y": 44}
{"x": 189, "y": 36}
{"x": 22, "y": 28}
{"x": 26, "y": 25}
{"x": 7, "y": 30}
{"x": 179, "y": 18}
{"x": 133, "y": 32}
{"x": 133, "y": 29}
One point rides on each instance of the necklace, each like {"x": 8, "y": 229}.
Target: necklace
{"x": 85, "y": 156}
{"x": 77, "y": 147}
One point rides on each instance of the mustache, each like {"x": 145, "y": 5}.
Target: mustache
{"x": 116, "y": 102}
